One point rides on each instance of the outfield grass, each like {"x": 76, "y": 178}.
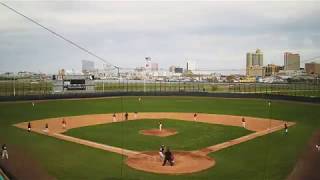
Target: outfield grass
{"x": 191, "y": 135}
{"x": 268, "y": 157}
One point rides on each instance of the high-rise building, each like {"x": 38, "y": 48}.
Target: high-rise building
{"x": 87, "y": 66}
{"x": 171, "y": 68}
{"x": 291, "y": 61}
{"x": 272, "y": 69}
{"x": 154, "y": 67}
{"x": 148, "y": 63}
{"x": 191, "y": 66}
{"x": 254, "y": 61}
{"x": 312, "y": 68}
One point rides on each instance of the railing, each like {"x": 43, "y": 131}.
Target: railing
{"x": 27, "y": 87}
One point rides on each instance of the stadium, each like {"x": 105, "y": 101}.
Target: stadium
{"x": 147, "y": 123}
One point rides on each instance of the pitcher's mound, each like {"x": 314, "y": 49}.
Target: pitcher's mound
{"x": 157, "y": 132}
{"x": 185, "y": 162}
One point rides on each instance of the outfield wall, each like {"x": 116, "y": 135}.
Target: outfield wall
{"x": 199, "y": 94}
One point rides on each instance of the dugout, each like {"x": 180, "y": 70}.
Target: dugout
{"x": 74, "y": 83}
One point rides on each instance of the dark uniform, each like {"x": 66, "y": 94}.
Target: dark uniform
{"x": 286, "y": 127}
{"x": 29, "y": 127}
{"x": 167, "y": 157}
{"x": 126, "y": 116}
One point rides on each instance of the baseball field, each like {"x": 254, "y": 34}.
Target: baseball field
{"x": 215, "y": 145}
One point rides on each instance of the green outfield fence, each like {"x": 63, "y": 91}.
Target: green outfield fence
{"x": 47, "y": 87}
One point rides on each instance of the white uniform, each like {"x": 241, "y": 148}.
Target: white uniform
{"x": 160, "y": 126}
{"x": 161, "y": 152}
{"x": 4, "y": 153}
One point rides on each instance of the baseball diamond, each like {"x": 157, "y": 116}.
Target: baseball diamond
{"x": 67, "y": 136}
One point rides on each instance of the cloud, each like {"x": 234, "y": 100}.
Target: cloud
{"x": 214, "y": 34}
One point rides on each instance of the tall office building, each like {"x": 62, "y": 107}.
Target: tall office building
{"x": 191, "y": 66}
{"x": 87, "y": 66}
{"x": 291, "y": 61}
{"x": 254, "y": 63}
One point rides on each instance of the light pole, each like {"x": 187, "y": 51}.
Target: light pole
{"x": 14, "y": 85}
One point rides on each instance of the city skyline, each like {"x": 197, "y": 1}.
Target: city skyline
{"x": 216, "y": 35}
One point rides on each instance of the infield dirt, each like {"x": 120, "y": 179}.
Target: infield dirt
{"x": 186, "y": 162}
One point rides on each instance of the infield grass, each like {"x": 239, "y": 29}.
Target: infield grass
{"x": 190, "y": 136}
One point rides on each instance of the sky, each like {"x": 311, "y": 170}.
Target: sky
{"x": 216, "y": 35}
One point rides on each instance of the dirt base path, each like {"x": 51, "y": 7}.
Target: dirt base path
{"x": 148, "y": 161}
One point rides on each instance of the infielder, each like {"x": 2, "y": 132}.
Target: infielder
{"x": 286, "y": 128}
{"x": 64, "y": 123}
{"x": 195, "y": 116}
{"x": 46, "y": 128}
{"x": 126, "y": 115}
{"x": 29, "y": 127}
{"x": 243, "y": 122}
{"x": 4, "y": 153}
{"x": 114, "y": 118}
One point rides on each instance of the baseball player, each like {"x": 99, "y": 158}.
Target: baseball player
{"x": 160, "y": 126}
{"x": 195, "y": 116}
{"x": 161, "y": 152}
{"x": 114, "y": 118}
{"x": 286, "y": 128}
{"x": 243, "y": 122}
{"x": 318, "y": 147}
{"x": 32, "y": 103}
{"x": 135, "y": 115}
{"x": 139, "y": 99}
{"x": 126, "y": 115}
{"x": 4, "y": 153}
{"x": 64, "y": 123}
{"x": 29, "y": 127}
{"x": 168, "y": 157}
{"x": 46, "y": 128}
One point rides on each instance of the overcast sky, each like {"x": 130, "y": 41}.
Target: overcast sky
{"x": 216, "y": 35}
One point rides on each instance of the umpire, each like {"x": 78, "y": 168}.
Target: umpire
{"x": 168, "y": 157}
